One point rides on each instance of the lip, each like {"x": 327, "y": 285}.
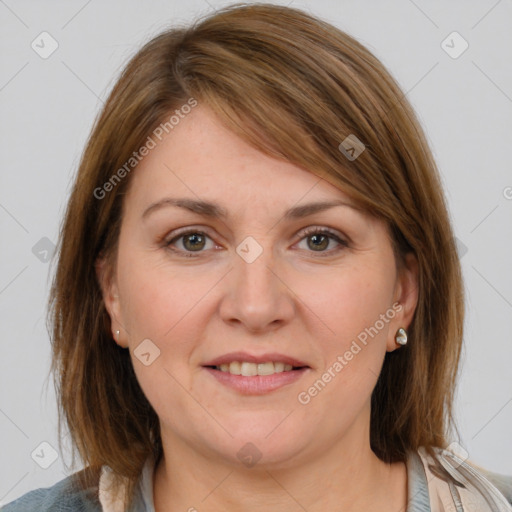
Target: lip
{"x": 250, "y": 358}
{"x": 257, "y": 384}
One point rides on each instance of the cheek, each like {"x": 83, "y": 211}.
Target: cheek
{"x": 163, "y": 306}
{"x": 357, "y": 310}
{"x": 354, "y": 301}
{"x": 158, "y": 298}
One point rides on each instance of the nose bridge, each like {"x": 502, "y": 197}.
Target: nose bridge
{"x": 257, "y": 296}
{"x": 252, "y": 265}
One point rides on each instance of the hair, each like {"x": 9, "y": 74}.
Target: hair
{"x": 294, "y": 87}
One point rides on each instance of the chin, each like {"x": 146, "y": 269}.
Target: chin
{"x": 264, "y": 444}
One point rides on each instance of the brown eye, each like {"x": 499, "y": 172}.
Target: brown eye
{"x": 193, "y": 241}
{"x": 318, "y": 240}
{"x": 188, "y": 242}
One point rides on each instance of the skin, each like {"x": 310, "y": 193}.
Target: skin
{"x": 294, "y": 299}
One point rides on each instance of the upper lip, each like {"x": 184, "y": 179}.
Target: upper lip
{"x": 261, "y": 358}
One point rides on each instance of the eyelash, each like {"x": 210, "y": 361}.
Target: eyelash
{"x": 305, "y": 233}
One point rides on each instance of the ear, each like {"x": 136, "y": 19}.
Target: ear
{"x": 108, "y": 283}
{"x": 405, "y": 294}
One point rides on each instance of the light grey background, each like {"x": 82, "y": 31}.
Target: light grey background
{"x": 47, "y": 110}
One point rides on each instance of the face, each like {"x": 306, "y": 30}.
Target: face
{"x": 319, "y": 291}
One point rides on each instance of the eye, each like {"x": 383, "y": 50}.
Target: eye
{"x": 191, "y": 241}
{"x": 194, "y": 241}
{"x": 320, "y": 239}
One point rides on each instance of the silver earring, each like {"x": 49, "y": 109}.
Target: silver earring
{"x": 401, "y": 336}
{"x": 117, "y": 333}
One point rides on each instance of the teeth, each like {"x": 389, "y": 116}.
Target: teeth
{"x": 279, "y": 367}
{"x": 266, "y": 368}
{"x": 235, "y": 368}
{"x": 251, "y": 369}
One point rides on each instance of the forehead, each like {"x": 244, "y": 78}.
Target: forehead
{"x": 202, "y": 159}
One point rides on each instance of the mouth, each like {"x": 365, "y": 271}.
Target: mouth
{"x": 248, "y": 374}
{"x": 249, "y": 369}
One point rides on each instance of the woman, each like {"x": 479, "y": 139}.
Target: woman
{"x": 258, "y": 301}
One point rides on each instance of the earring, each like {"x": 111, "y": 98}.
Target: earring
{"x": 117, "y": 334}
{"x": 401, "y": 336}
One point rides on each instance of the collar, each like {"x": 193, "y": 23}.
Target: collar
{"x": 427, "y": 489}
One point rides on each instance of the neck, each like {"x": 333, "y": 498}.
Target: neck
{"x": 346, "y": 480}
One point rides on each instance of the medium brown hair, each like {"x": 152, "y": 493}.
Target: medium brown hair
{"x": 294, "y": 87}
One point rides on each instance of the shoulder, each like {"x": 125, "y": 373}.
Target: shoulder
{"x": 64, "y": 496}
{"x": 502, "y": 482}
{"x": 466, "y": 481}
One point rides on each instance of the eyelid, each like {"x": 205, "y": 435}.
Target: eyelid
{"x": 303, "y": 231}
{"x": 178, "y": 233}
{"x": 322, "y": 229}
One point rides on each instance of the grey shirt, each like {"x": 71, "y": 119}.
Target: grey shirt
{"x": 428, "y": 490}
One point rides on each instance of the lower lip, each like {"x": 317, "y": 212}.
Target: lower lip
{"x": 257, "y": 384}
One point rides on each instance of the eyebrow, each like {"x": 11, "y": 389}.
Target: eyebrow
{"x": 214, "y": 210}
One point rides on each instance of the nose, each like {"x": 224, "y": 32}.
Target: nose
{"x": 257, "y": 295}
